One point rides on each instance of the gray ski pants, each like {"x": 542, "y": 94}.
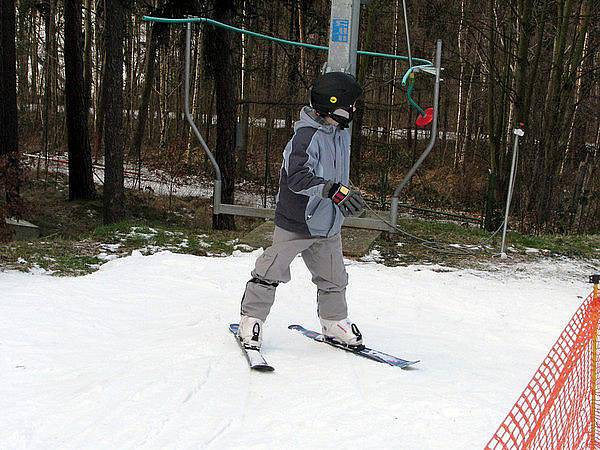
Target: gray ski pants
{"x": 322, "y": 256}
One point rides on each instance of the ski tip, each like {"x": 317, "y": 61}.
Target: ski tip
{"x": 233, "y": 327}
{"x": 409, "y": 365}
{"x": 295, "y": 327}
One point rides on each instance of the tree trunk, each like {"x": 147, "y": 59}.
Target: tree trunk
{"x": 87, "y": 56}
{"x": 242, "y": 141}
{"x": 461, "y": 146}
{"x": 547, "y": 160}
{"x": 9, "y": 129}
{"x": 293, "y": 62}
{"x": 364, "y": 66}
{"x": 49, "y": 79}
{"x": 100, "y": 78}
{"x": 136, "y": 146}
{"x": 22, "y": 49}
{"x": 220, "y": 51}
{"x": 35, "y": 74}
{"x": 459, "y": 101}
{"x": 112, "y": 88}
{"x": 522, "y": 82}
{"x": 81, "y": 182}
{"x": 490, "y": 197}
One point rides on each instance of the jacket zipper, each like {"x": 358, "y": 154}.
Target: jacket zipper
{"x": 336, "y": 141}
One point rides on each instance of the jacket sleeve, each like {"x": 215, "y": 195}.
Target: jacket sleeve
{"x": 300, "y": 162}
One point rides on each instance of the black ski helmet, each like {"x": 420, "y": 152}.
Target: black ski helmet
{"x": 334, "y": 94}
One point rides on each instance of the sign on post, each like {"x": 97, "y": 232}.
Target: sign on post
{"x": 343, "y": 36}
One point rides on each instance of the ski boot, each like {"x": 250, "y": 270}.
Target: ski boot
{"x": 342, "y": 332}
{"x": 250, "y": 332}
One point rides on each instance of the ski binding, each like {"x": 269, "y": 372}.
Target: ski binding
{"x": 255, "y": 359}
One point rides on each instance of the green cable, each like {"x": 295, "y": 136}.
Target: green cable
{"x": 408, "y": 75}
{"x": 415, "y": 105}
{"x": 232, "y": 28}
{"x": 274, "y": 39}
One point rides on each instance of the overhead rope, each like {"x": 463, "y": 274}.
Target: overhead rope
{"x": 218, "y": 24}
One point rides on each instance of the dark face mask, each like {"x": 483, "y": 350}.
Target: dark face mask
{"x": 343, "y": 116}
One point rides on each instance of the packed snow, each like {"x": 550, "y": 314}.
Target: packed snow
{"x": 138, "y": 355}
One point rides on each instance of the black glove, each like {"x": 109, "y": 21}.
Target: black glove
{"x": 350, "y": 202}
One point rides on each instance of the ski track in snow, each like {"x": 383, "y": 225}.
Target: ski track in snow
{"x": 138, "y": 355}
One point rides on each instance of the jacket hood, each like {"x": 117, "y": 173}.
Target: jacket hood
{"x": 309, "y": 118}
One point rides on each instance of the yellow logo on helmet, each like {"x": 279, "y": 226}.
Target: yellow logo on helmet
{"x": 333, "y": 99}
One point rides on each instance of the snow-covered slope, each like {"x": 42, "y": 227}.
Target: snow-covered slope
{"x": 137, "y": 355}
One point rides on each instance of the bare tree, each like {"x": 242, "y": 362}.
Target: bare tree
{"x": 112, "y": 95}
{"x": 220, "y": 54}
{"x": 81, "y": 182}
{"x": 152, "y": 43}
{"x": 9, "y": 128}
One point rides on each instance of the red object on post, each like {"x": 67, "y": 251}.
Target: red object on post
{"x": 423, "y": 121}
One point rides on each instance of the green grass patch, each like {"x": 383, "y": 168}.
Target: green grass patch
{"x": 59, "y": 256}
{"x": 580, "y": 246}
{"x": 449, "y": 243}
{"x": 75, "y": 242}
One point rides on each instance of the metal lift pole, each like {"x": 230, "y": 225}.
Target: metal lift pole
{"x": 218, "y": 207}
{"x": 343, "y": 36}
{"x": 434, "y": 125}
{"x": 343, "y": 46}
{"x": 518, "y": 132}
{"x": 190, "y": 119}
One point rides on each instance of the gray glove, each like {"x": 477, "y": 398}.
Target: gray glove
{"x": 350, "y": 202}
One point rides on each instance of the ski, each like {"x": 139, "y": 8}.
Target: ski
{"x": 365, "y": 352}
{"x": 255, "y": 359}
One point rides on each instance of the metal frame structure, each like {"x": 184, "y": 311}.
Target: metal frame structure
{"x": 432, "y": 139}
{"x": 344, "y": 25}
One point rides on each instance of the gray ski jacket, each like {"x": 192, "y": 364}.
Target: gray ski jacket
{"x": 317, "y": 153}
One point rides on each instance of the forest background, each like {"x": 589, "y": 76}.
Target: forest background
{"x": 67, "y": 68}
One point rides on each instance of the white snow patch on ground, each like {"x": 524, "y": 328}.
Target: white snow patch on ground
{"x": 137, "y": 232}
{"x": 106, "y": 257}
{"x": 467, "y": 246}
{"x": 110, "y": 247}
{"x": 243, "y": 247}
{"x": 137, "y": 355}
{"x": 37, "y": 270}
{"x": 373, "y": 256}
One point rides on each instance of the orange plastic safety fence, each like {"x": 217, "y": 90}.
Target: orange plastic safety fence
{"x": 555, "y": 410}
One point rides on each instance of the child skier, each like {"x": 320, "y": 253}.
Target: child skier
{"x": 312, "y": 202}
